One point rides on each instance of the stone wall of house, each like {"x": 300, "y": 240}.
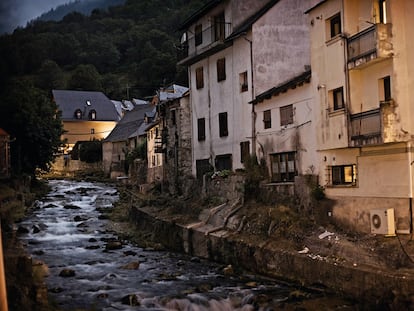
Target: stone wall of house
{"x": 64, "y": 165}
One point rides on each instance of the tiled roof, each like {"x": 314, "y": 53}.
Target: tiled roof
{"x": 86, "y": 101}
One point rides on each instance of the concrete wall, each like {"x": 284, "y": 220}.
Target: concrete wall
{"x": 280, "y": 44}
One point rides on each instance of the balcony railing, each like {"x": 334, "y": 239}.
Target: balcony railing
{"x": 370, "y": 44}
{"x": 201, "y": 42}
{"x": 366, "y": 128}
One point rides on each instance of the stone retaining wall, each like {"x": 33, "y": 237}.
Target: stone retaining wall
{"x": 361, "y": 283}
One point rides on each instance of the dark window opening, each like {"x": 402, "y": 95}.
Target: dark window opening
{"x": 219, "y": 27}
{"x": 387, "y": 88}
{"x": 338, "y": 98}
{"x": 201, "y": 129}
{"x": 203, "y": 167}
{"x": 199, "y": 78}
{"x": 267, "y": 119}
{"x": 335, "y": 25}
{"x": 198, "y": 34}
{"x": 221, "y": 69}
{"x": 223, "y": 162}
{"x": 244, "y": 151}
{"x": 223, "y": 127}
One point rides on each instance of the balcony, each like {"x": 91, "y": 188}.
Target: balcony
{"x": 366, "y": 128}
{"x": 210, "y": 39}
{"x": 369, "y": 45}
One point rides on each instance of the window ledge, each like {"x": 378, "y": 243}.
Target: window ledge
{"x": 333, "y": 40}
{"x": 334, "y": 112}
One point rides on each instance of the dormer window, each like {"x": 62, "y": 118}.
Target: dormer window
{"x": 92, "y": 115}
{"x": 88, "y": 103}
{"x": 78, "y": 114}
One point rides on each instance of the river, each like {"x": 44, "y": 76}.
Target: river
{"x": 90, "y": 268}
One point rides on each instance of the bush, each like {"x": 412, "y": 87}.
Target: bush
{"x": 90, "y": 151}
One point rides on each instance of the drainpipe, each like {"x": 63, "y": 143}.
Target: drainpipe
{"x": 252, "y": 94}
{"x": 3, "y": 294}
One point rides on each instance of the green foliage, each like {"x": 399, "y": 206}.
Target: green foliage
{"x": 135, "y": 45}
{"x": 29, "y": 116}
{"x": 255, "y": 173}
{"x": 90, "y": 151}
{"x": 140, "y": 152}
{"x": 318, "y": 192}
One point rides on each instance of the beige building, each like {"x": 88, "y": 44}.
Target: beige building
{"x": 86, "y": 115}
{"x": 362, "y": 81}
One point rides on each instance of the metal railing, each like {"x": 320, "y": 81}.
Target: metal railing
{"x": 362, "y": 44}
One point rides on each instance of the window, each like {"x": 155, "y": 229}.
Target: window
{"x": 267, "y": 119}
{"x": 198, "y": 34}
{"x": 219, "y": 24}
{"x": 338, "y": 98}
{"x": 223, "y": 128}
{"x": 221, "y": 69}
{"x": 283, "y": 166}
{"x": 286, "y": 115}
{"x": 335, "y": 25}
{"x": 78, "y": 114}
{"x": 223, "y": 162}
{"x": 387, "y": 88}
{"x": 92, "y": 115}
{"x": 244, "y": 151}
{"x": 343, "y": 174}
{"x": 92, "y": 131}
{"x": 201, "y": 129}
{"x": 243, "y": 82}
{"x": 199, "y": 78}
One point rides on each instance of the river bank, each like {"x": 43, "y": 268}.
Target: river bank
{"x": 375, "y": 271}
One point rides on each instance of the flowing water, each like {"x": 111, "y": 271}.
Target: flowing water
{"x": 90, "y": 268}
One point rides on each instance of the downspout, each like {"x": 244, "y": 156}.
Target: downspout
{"x": 347, "y": 83}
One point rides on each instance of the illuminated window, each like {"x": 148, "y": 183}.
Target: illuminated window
{"x": 78, "y": 114}
{"x": 343, "y": 174}
{"x": 92, "y": 115}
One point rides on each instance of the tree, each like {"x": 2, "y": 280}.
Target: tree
{"x": 30, "y": 117}
{"x": 85, "y": 78}
{"x": 50, "y": 76}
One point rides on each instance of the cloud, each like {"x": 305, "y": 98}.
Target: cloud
{"x": 14, "y": 13}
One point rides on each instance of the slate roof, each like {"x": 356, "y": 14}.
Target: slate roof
{"x": 69, "y": 101}
{"x": 132, "y": 124}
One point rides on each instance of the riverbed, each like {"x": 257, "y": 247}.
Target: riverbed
{"x": 91, "y": 268}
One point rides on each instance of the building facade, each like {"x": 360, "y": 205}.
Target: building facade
{"x": 361, "y": 71}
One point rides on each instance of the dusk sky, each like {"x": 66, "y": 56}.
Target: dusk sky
{"x": 14, "y": 13}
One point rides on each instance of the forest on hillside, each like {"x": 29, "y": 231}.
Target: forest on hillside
{"x": 128, "y": 50}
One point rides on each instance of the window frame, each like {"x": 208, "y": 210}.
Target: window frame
{"x": 284, "y": 119}
{"x": 223, "y": 124}
{"x": 198, "y": 34}
{"x": 201, "y": 129}
{"x": 335, "y": 104}
{"x": 267, "y": 119}
{"x": 244, "y": 84}
{"x": 78, "y": 114}
{"x": 281, "y": 170}
{"x": 244, "y": 150}
{"x": 199, "y": 78}
{"x": 338, "y": 175}
{"x": 334, "y": 21}
{"x": 219, "y": 26}
{"x": 221, "y": 69}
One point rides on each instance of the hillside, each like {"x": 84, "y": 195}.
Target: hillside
{"x": 84, "y": 7}
{"x": 128, "y": 49}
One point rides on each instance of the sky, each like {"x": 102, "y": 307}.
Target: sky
{"x": 14, "y": 13}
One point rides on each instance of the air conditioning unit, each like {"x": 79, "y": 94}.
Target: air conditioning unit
{"x": 382, "y": 221}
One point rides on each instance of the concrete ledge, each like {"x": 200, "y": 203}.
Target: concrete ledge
{"x": 364, "y": 283}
